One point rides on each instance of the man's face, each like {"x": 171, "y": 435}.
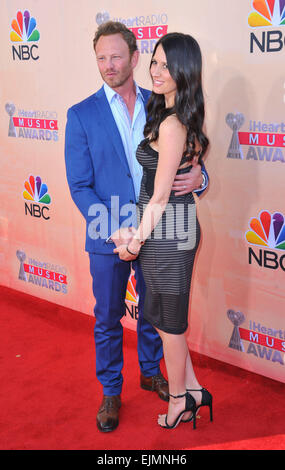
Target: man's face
{"x": 114, "y": 61}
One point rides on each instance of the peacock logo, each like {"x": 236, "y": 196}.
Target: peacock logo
{"x": 36, "y": 191}
{"x": 267, "y": 230}
{"x": 131, "y": 293}
{"x": 267, "y": 13}
{"x": 24, "y": 28}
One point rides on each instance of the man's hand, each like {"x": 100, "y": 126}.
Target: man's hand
{"x": 188, "y": 182}
{"x": 123, "y": 253}
{"x": 123, "y": 236}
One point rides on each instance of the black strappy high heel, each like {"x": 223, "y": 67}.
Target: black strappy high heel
{"x": 190, "y": 405}
{"x": 207, "y": 400}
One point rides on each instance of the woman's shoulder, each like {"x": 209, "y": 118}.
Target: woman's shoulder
{"x": 171, "y": 126}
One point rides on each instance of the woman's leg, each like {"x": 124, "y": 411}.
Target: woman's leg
{"x": 175, "y": 354}
{"x": 191, "y": 383}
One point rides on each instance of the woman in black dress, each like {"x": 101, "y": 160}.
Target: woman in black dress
{"x": 169, "y": 232}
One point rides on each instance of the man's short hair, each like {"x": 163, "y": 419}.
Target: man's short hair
{"x": 115, "y": 27}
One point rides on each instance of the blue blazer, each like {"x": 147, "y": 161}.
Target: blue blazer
{"x": 97, "y": 169}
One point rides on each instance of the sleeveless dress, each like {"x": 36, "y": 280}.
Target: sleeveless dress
{"x": 167, "y": 257}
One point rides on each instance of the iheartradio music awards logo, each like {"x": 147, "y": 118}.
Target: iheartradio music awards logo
{"x": 148, "y": 29}
{"x": 37, "y": 192}
{"x": 264, "y": 141}
{"x": 42, "y": 274}
{"x": 263, "y": 342}
{"x": 267, "y": 14}
{"x": 24, "y": 32}
{"x": 37, "y": 125}
{"x": 267, "y": 232}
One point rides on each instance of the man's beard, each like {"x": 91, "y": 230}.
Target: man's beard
{"x": 117, "y": 81}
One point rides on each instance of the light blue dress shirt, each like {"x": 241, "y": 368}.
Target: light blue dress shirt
{"x": 131, "y": 131}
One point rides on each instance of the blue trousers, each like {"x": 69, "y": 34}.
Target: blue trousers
{"x": 110, "y": 278}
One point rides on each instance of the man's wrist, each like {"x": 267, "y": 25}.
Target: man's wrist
{"x": 203, "y": 185}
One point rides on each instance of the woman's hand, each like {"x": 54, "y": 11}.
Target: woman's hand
{"x": 123, "y": 235}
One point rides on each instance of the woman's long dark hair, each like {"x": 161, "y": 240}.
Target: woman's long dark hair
{"x": 184, "y": 63}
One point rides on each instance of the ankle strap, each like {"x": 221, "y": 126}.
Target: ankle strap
{"x": 194, "y": 389}
{"x": 178, "y": 396}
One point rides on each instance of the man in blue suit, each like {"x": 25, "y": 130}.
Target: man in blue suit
{"x": 102, "y": 134}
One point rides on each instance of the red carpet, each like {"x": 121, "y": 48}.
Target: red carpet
{"x": 50, "y": 395}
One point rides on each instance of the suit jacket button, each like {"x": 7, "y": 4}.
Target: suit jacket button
{"x": 129, "y": 175}
{"x": 131, "y": 201}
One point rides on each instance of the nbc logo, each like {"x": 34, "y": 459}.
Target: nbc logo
{"x": 266, "y": 14}
{"x": 267, "y": 231}
{"x": 23, "y": 30}
{"x": 132, "y": 298}
{"x": 37, "y": 192}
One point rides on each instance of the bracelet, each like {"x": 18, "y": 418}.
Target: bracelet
{"x": 131, "y": 253}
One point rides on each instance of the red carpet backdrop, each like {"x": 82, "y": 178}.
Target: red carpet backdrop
{"x": 48, "y": 64}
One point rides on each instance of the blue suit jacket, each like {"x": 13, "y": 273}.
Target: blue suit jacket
{"x": 97, "y": 169}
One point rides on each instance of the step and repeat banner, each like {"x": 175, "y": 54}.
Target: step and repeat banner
{"x": 48, "y": 64}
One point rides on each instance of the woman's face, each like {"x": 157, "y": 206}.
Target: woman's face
{"x": 162, "y": 82}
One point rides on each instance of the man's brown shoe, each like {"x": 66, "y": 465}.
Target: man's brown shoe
{"x": 156, "y": 383}
{"x": 108, "y": 414}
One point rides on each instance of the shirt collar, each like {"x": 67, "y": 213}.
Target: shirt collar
{"x": 110, "y": 93}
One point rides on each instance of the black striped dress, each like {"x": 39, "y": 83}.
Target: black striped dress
{"x": 167, "y": 257}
